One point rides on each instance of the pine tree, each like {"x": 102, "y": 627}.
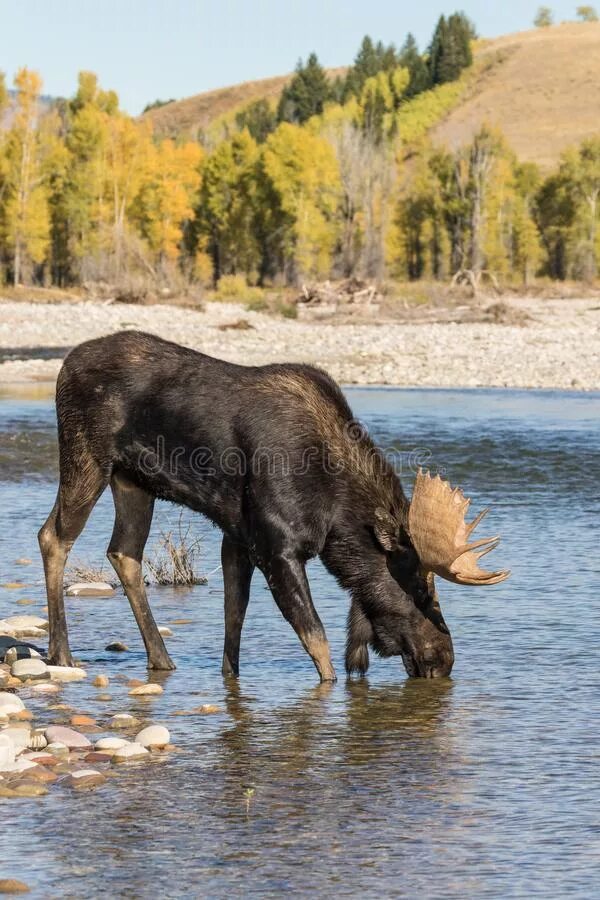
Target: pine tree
{"x": 411, "y": 59}
{"x": 259, "y": 118}
{"x": 306, "y": 94}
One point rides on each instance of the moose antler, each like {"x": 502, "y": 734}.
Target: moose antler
{"x": 440, "y": 535}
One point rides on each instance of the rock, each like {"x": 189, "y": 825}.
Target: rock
{"x": 29, "y": 669}
{"x": 45, "y": 687}
{"x": 42, "y": 759}
{"x": 165, "y": 631}
{"x": 41, "y": 774}
{"x": 82, "y": 721}
{"x": 110, "y": 744}
{"x": 66, "y": 673}
{"x": 24, "y": 789}
{"x": 129, "y": 753}
{"x": 7, "y": 752}
{"x": 205, "y": 709}
{"x": 23, "y": 561}
{"x": 101, "y": 681}
{"x": 90, "y": 589}
{"x": 13, "y": 585}
{"x": 146, "y": 690}
{"x": 154, "y": 736}
{"x": 67, "y": 736}
{"x": 25, "y": 601}
{"x": 116, "y": 647}
{"x": 97, "y": 756}
{"x": 20, "y": 651}
{"x": 20, "y": 765}
{"x": 85, "y": 779}
{"x": 12, "y": 886}
{"x": 182, "y": 621}
{"x": 24, "y": 716}
{"x": 23, "y": 625}
{"x": 57, "y": 748}
{"x": 123, "y": 720}
{"x": 20, "y": 735}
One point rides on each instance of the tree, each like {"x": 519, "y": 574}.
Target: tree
{"x": 410, "y": 58}
{"x": 227, "y": 207}
{"x": 450, "y": 48}
{"x": 26, "y": 216}
{"x": 303, "y": 182}
{"x": 167, "y": 197}
{"x": 369, "y": 61}
{"x": 306, "y": 94}
{"x": 259, "y": 118}
{"x": 587, "y": 14}
{"x": 543, "y": 17}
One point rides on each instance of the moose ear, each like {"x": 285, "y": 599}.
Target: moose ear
{"x": 387, "y": 530}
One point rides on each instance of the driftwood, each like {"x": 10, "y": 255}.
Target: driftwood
{"x": 350, "y": 296}
{"x": 475, "y": 279}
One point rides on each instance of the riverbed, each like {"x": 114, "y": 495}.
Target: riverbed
{"x": 483, "y": 785}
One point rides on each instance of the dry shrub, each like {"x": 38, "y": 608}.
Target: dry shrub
{"x": 176, "y": 559}
{"x": 78, "y": 570}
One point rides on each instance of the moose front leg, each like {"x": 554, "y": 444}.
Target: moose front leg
{"x": 237, "y": 575}
{"x": 286, "y": 576}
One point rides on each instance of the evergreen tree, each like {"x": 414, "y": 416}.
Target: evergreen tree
{"x": 411, "y": 59}
{"x": 450, "y": 49}
{"x": 259, "y": 118}
{"x": 306, "y": 94}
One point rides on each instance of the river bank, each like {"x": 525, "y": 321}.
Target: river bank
{"x": 556, "y": 346}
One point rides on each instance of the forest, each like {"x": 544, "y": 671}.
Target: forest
{"x": 338, "y": 178}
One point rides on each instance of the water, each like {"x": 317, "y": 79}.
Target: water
{"x": 483, "y": 785}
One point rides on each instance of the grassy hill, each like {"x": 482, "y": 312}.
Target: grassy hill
{"x": 195, "y": 114}
{"x": 543, "y": 92}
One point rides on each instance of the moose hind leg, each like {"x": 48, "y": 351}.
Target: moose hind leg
{"x": 133, "y": 517}
{"x": 237, "y": 575}
{"x": 286, "y": 576}
{"x": 77, "y": 494}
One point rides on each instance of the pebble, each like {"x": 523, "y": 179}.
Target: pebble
{"x": 90, "y": 589}
{"x": 20, "y": 735}
{"x": 130, "y": 752}
{"x": 101, "y": 681}
{"x": 67, "y": 736}
{"x": 80, "y": 721}
{"x": 7, "y": 752}
{"x": 154, "y": 736}
{"x": 146, "y": 690}
{"x": 85, "y": 779}
{"x": 12, "y": 886}
{"x": 165, "y": 631}
{"x": 23, "y": 561}
{"x": 110, "y": 744}
{"x": 24, "y": 789}
{"x": 123, "y": 720}
{"x": 26, "y": 669}
{"x": 57, "y": 748}
{"x": 182, "y": 621}
{"x": 25, "y": 601}
{"x": 205, "y": 709}
{"x": 45, "y": 687}
{"x": 66, "y": 673}
{"x": 117, "y": 647}
{"x": 23, "y": 624}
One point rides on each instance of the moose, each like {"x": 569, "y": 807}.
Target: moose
{"x": 274, "y": 457}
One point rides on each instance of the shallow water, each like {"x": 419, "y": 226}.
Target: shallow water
{"x": 483, "y": 785}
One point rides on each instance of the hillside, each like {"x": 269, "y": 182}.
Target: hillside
{"x": 544, "y": 94}
{"x": 196, "y": 113}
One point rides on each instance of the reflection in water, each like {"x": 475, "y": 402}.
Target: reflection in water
{"x": 485, "y": 785}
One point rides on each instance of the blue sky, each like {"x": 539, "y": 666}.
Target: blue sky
{"x": 146, "y": 49}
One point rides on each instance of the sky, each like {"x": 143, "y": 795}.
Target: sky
{"x": 149, "y": 49}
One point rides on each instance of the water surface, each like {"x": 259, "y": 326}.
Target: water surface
{"x": 483, "y": 785}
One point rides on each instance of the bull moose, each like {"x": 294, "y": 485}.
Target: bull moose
{"x": 274, "y": 457}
